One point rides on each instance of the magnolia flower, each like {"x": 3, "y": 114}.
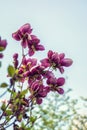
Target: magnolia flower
{"x": 27, "y": 64}
{"x": 56, "y": 60}
{"x": 56, "y": 84}
{"x": 23, "y": 34}
{"x": 38, "y": 91}
{"x": 33, "y": 45}
{"x": 3, "y": 44}
{"x": 35, "y": 73}
{"x": 28, "y": 40}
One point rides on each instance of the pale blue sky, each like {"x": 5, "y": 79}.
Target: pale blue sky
{"x": 60, "y": 24}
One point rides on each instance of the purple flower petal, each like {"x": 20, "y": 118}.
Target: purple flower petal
{"x": 26, "y": 74}
{"x": 42, "y": 94}
{"x": 17, "y": 35}
{"x": 61, "y": 69}
{"x": 50, "y": 53}
{"x": 34, "y": 39}
{"x": 47, "y": 89}
{"x": 40, "y": 48}
{"x": 15, "y": 56}
{"x": 31, "y": 52}
{"x": 66, "y": 62}
{"x": 48, "y": 74}
{"x": 24, "y": 61}
{"x": 60, "y": 81}
{"x": 45, "y": 62}
{"x": 61, "y": 56}
{"x": 24, "y": 43}
{"x": 55, "y": 58}
{"x": 32, "y": 61}
{"x": 3, "y": 43}
{"x": 35, "y": 86}
{"x": 38, "y": 100}
{"x": 52, "y": 80}
{"x": 1, "y": 55}
{"x": 26, "y": 28}
{"x": 20, "y": 71}
{"x": 60, "y": 91}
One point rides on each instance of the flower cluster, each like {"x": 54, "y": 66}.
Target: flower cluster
{"x": 40, "y": 78}
{"x": 30, "y": 80}
{"x": 27, "y": 39}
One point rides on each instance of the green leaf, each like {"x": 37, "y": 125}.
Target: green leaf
{"x": 8, "y": 118}
{"x": 8, "y": 112}
{"x": 22, "y": 125}
{"x": 20, "y": 117}
{"x": 17, "y": 101}
{"x": 11, "y": 70}
{"x": 3, "y": 107}
{"x": 33, "y": 119}
{"x": 14, "y": 94}
{"x": 2, "y": 48}
{"x": 3, "y": 85}
{"x": 22, "y": 94}
{"x": 24, "y": 91}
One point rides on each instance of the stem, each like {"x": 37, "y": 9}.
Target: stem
{"x": 23, "y": 52}
{"x": 5, "y": 122}
{"x": 4, "y": 92}
{"x": 10, "y": 124}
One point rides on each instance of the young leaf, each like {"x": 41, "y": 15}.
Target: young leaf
{"x": 3, "y": 85}
{"x": 22, "y": 94}
{"x": 3, "y": 107}
{"x": 2, "y": 48}
{"x": 8, "y": 112}
{"x": 11, "y": 70}
{"x": 33, "y": 119}
{"x": 20, "y": 117}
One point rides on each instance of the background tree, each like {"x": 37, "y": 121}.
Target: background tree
{"x": 62, "y": 113}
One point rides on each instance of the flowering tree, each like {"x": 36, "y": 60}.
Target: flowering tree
{"x": 30, "y": 80}
{"x": 61, "y": 113}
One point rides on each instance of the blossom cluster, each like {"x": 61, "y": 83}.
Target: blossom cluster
{"x": 40, "y": 76}
{"x": 30, "y": 80}
{"x": 27, "y": 39}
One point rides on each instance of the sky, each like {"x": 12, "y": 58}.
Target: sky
{"x": 61, "y": 26}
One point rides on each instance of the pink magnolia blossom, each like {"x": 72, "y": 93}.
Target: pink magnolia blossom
{"x": 38, "y": 91}
{"x": 23, "y": 34}
{"x": 25, "y": 68}
{"x": 3, "y": 44}
{"x": 35, "y": 73}
{"x": 56, "y": 84}
{"x": 56, "y": 60}
{"x": 28, "y": 40}
{"x": 33, "y": 45}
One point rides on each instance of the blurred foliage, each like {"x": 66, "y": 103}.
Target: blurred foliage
{"x": 61, "y": 113}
